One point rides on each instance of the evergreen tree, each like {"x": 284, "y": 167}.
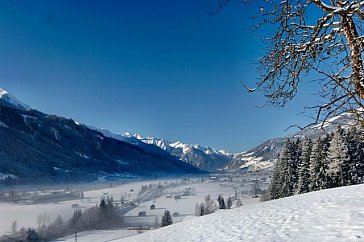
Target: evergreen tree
{"x": 356, "y": 148}
{"x": 210, "y": 206}
{"x": 288, "y": 176}
{"x": 202, "y": 209}
{"x": 304, "y": 167}
{"x": 221, "y": 201}
{"x": 360, "y": 157}
{"x": 274, "y": 186}
{"x": 229, "y": 203}
{"x": 32, "y": 235}
{"x": 75, "y": 219}
{"x": 318, "y": 165}
{"x": 166, "y": 219}
{"x": 338, "y": 160}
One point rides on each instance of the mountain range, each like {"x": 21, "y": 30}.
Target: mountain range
{"x": 205, "y": 158}
{"x": 37, "y": 147}
{"x": 52, "y": 148}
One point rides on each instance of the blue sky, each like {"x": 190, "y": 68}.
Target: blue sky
{"x": 162, "y": 68}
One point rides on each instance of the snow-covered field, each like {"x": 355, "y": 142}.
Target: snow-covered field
{"x": 184, "y": 206}
{"x": 99, "y": 235}
{"x": 330, "y": 215}
{"x": 26, "y": 215}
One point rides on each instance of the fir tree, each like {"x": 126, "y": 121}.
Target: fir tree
{"x": 32, "y": 235}
{"x": 274, "y": 186}
{"x": 338, "y": 160}
{"x": 288, "y": 176}
{"x": 318, "y": 165}
{"x": 166, "y": 219}
{"x": 202, "y": 209}
{"x": 75, "y": 219}
{"x": 304, "y": 167}
{"x": 221, "y": 201}
{"x": 210, "y": 206}
{"x": 356, "y": 148}
{"x": 229, "y": 203}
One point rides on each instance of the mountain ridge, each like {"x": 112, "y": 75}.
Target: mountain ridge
{"x": 264, "y": 155}
{"x": 203, "y": 157}
{"x": 52, "y": 148}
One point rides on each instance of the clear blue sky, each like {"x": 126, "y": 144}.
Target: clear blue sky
{"x": 160, "y": 68}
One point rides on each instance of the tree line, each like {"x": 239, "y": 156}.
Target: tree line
{"x": 210, "y": 206}
{"x": 333, "y": 160}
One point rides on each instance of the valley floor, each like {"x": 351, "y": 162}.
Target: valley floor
{"x": 330, "y": 215}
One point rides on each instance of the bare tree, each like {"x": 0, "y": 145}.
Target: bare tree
{"x": 318, "y": 40}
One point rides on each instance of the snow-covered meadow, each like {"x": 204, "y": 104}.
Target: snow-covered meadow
{"x": 329, "y": 215}
{"x": 27, "y": 215}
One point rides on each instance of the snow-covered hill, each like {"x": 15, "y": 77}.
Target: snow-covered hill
{"x": 330, "y": 215}
{"x": 205, "y": 158}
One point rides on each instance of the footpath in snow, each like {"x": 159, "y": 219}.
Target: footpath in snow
{"x": 331, "y": 215}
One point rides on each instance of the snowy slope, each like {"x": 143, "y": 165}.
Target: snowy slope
{"x": 330, "y": 215}
{"x": 205, "y": 158}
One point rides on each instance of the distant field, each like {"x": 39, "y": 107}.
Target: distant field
{"x": 26, "y": 215}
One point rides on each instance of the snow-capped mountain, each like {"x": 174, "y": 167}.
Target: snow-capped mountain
{"x": 264, "y": 155}
{"x": 8, "y": 99}
{"x": 205, "y": 158}
{"x": 37, "y": 147}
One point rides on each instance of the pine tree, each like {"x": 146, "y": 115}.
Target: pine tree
{"x": 229, "y": 203}
{"x": 318, "y": 164}
{"x": 274, "y": 186}
{"x": 75, "y": 219}
{"x": 338, "y": 160}
{"x": 221, "y": 201}
{"x": 32, "y": 235}
{"x": 202, "y": 209}
{"x": 210, "y": 206}
{"x": 356, "y": 153}
{"x": 166, "y": 219}
{"x": 360, "y": 159}
{"x": 304, "y": 167}
{"x": 288, "y": 176}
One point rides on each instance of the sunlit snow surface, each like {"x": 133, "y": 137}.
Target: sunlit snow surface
{"x": 330, "y": 215}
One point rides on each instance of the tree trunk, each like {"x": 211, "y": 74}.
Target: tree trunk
{"x": 352, "y": 37}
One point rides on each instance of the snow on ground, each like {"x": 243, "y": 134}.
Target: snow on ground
{"x": 99, "y": 235}
{"x": 26, "y": 215}
{"x": 330, "y": 215}
{"x": 186, "y": 205}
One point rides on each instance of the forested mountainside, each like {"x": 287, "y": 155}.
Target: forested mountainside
{"x": 36, "y": 147}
